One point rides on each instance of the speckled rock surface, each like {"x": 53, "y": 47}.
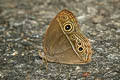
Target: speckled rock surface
{"x": 23, "y": 24}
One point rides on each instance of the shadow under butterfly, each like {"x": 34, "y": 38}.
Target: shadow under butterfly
{"x": 64, "y": 42}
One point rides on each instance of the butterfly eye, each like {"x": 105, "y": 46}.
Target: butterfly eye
{"x": 63, "y": 18}
{"x": 80, "y": 49}
{"x": 72, "y": 37}
{"x": 79, "y": 43}
{"x": 68, "y": 27}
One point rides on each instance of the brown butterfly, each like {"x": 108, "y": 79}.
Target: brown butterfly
{"x": 64, "y": 42}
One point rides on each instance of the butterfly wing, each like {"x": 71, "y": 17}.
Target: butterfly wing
{"x": 58, "y": 43}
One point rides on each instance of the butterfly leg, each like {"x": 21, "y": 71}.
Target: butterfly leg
{"x": 43, "y": 59}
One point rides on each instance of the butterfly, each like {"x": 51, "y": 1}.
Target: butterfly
{"x": 64, "y": 42}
